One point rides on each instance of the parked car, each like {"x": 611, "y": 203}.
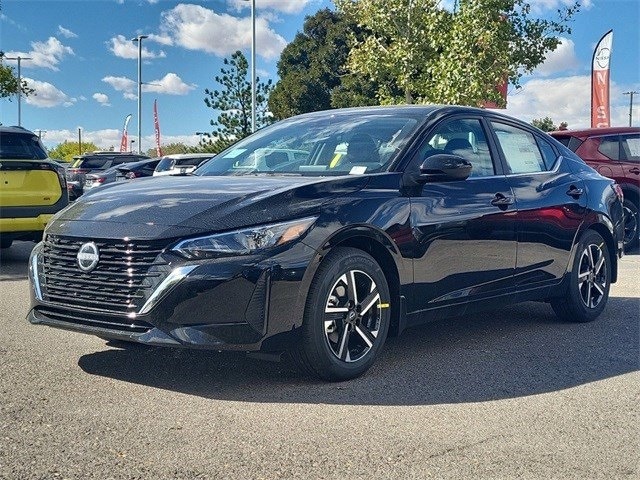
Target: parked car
{"x": 180, "y": 163}
{"x": 32, "y": 186}
{"x": 432, "y": 212}
{"x": 614, "y": 153}
{"x": 124, "y": 171}
{"x": 92, "y": 163}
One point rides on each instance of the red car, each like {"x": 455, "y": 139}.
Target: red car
{"x": 615, "y": 153}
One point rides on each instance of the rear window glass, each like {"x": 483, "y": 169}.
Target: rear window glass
{"x": 21, "y": 145}
{"x": 92, "y": 163}
{"x": 185, "y": 162}
{"x": 164, "y": 165}
{"x": 610, "y": 147}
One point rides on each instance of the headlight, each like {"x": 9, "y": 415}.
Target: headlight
{"x": 245, "y": 241}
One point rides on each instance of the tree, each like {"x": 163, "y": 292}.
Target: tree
{"x": 9, "y": 84}
{"x": 312, "y": 69}
{"x": 459, "y": 57}
{"x": 170, "y": 149}
{"x": 545, "y": 124}
{"x": 67, "y": 150}
{"x": 234, "y": 103}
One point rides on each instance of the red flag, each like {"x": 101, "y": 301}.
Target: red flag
{"x": 600, "y": 109}
{"x": 156, "y": 124}
{"x": 502, "y": 90}
{"x": 124, "y": 143}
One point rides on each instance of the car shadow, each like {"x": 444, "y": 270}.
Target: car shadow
{"x": 14, "y": 261}
{"x": 517, "y": 351}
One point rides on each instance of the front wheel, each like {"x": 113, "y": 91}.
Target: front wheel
{"x": 589, "y": 281}
{"x": 346, "y": 317}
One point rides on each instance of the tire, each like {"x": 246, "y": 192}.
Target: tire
{"x": 344, "y": 327}
{"x": 631, "y": 224}
{"x": 589, "y": 281}
{"x": 5, "y": 242}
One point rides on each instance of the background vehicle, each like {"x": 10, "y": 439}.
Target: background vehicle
{"x": 125, "y": 171}
{"x": 32, "y": 186}
{"x": 614, "y": 153}
{"x": 180, "y": 163}
{"x": 92, "y": 163}
{"x": 430, "y": 211}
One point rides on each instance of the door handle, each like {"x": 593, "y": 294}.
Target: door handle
{"x": 575, "y": 192}
{"x": 501, "y": 200}
{"x": 635, "y": 170}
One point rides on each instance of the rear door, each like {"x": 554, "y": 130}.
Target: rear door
{"x": 630, "y": 157}
{"x": 551, "y": 204}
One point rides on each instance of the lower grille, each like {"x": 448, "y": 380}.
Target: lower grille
{"x": 123, "y": 279}
{"x": 89, "y": 320}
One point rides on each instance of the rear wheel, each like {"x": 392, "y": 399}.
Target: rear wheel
{"x": 346, "y": 318}
{"x": 589, "y": 281}
{"x": 631, "y": 222}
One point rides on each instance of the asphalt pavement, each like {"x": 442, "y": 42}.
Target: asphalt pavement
{"x": 511, "y": 393}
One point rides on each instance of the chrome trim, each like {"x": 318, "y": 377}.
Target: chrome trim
{"x": 33, "y": 270}
{"x": 167, "y": 284}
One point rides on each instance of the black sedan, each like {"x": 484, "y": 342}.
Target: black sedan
{"x": 124, "y": 171}
{"x": 325, "y": 233}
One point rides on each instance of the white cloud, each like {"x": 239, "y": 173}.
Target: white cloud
{"x": 540, "y": 6}
{"x": 286, "y": 6}
{"x": 44, "y": 54}
{"x": 562, "y": 59}
{"x": 124, "y": 48}
{"x": 197, "y": 28}
{"x": 102, "y": 138}
{"x": 47, "y": 95}
{"x": 102, "y": 99}
{"x": 65, "y": 32}
{"x": 566, "y": 99}
{"x": 170, "y": 84}
{"x": 161, "y": 39}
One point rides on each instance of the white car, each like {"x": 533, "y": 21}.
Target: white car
{"x": 180, "y": 163}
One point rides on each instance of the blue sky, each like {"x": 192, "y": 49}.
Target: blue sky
{"x": 84, "y": 66}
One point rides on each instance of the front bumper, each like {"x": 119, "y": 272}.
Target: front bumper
{"x": 27, "y": 224}
{"x": 233, "y": 303}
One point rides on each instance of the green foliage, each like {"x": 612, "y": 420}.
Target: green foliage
{"x": 545, "y": 124}
{"x": 9, "y": 81}
{"x": 437, "y": 56}
{"x": 67, "y": 150}
{"x": 312, "y": 69}
{"x": 233, "y": 101}
{"x": 170, "y": 149}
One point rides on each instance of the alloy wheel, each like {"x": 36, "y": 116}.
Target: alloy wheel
{"x": 352, "y": 316}
{"x": 630, "y": 226}
{"x": 592, "y": 275}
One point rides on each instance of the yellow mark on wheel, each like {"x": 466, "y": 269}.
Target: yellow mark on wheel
{"x": 383, "y": 305}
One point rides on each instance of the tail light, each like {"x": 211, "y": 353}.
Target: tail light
{"x": 131, "y": 175}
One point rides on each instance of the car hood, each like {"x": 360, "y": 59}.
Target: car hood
{"x": 170, "y": 207}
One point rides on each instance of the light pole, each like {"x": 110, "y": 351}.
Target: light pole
{"x": 131, "y": 142}
{"x": 19, "y": 59}
{"x": 201, "y": 135}
{"x": 138, "y": 40}
{"x": 253, "y": 64}
{"x": 631, "y": 94}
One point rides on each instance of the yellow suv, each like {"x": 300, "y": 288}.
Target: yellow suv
{"x": 32, "y": 187}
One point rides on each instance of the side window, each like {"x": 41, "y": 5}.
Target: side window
{"x": 462, "y": 137}
{"x": 610, "y": 147}
{"x": 548, "y": 154}
{"x": 630, "y": 147}
{"x": 519, "y": 148}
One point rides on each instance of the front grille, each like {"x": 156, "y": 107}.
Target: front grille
{"x": 94, "y": 320}
{"x": 122, "y": 281}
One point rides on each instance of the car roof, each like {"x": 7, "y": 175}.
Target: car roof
{"x": 14, "y": 129}
{"x": 593, "y": 132}
{"x": 182, "y": 156}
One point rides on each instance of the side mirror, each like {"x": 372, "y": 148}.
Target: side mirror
{"x": 444, "y": 167}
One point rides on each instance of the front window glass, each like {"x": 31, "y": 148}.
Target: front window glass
{"x": 519, "y": 148}
{"x": 165, "y": 164}
{"x": 465, "y": 138}
{"x": 333, "y": 144}
{"x": 25, "y": 146}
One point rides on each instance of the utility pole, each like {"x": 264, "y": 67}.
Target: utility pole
{"x": 19, "y": 59}
{"x": 80, "y": 141}
{"x": 631, "y": 94}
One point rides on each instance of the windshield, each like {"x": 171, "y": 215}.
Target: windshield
{"x": 333, "y": 144}
{"x": 21, "y": 145}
